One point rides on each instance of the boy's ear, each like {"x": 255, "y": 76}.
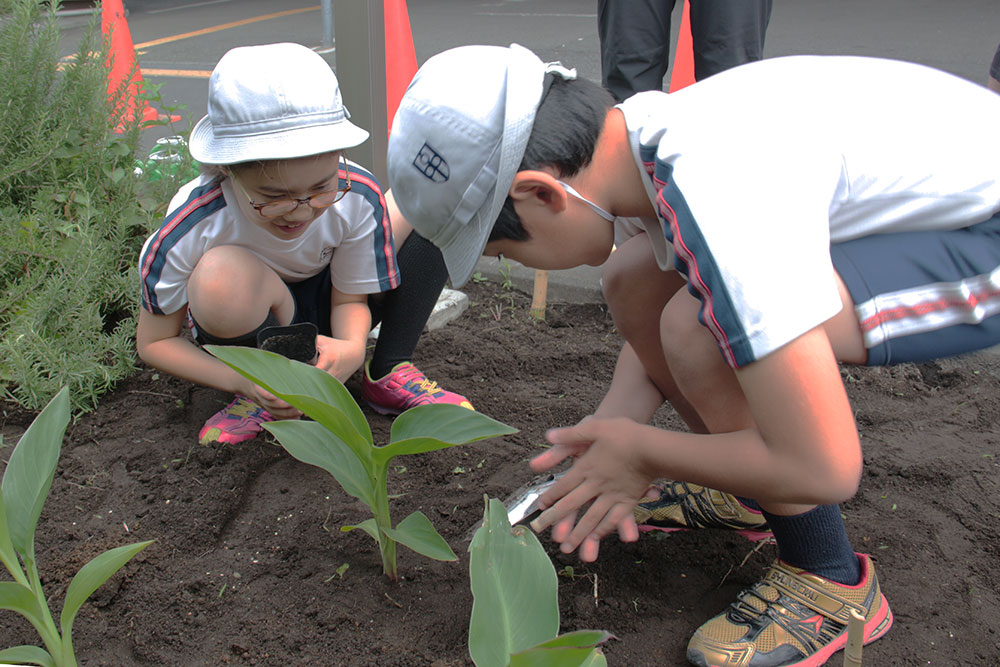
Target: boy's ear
{"x": 539, "y": 187}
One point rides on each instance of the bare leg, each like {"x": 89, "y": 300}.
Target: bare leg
{"x": 231, "y": 292}
{"x": 634, "y": 286}
{"x": 710, "y": 385}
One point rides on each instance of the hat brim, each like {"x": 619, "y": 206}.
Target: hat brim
{"x": 284, "y": 145}
{"x": 463, "y": 253}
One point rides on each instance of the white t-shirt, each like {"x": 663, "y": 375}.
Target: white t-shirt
{"x": 755, "y": 171}
{"x": 353, "y": 237}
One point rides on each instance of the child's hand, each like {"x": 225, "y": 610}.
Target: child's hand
{"x": 607, "y": 474}
{"x": 339, "y": 358}
{"x": 278, "y": 408}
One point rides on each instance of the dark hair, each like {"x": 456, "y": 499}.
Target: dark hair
{"x": 564, "y": 135}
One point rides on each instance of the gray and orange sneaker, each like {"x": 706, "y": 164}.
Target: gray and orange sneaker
{"x": 405, "y": 387}
{"x": 790, "y": 619}
{"x": 237, "y": 422}
{"x": 670, "y": 506}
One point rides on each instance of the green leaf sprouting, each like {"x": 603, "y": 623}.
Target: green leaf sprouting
{"x": 340, "y": 442}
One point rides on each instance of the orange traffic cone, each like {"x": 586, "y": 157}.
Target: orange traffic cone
{"x": 682, "y": 75}
{"x": 400, "y": 57}
{"x": 123, "y": 72}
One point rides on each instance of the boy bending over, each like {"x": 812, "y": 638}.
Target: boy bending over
{"x": 782, "y": 216}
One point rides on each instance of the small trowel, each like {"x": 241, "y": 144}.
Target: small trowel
{"x": 522, "y": 506}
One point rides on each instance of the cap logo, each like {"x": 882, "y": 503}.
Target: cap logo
{"x": 430, "y": 163}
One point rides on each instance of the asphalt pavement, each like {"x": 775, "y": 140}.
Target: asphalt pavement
{"x": 179, "y": 41}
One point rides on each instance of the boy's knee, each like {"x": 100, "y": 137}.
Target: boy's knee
{"x": 614, "y": 279}
{"x": 688, "y": 347}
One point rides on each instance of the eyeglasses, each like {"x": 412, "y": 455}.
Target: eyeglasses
{"x": 273, "y": 209}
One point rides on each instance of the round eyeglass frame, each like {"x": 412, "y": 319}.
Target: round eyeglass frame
{"x": 320, "y": 200}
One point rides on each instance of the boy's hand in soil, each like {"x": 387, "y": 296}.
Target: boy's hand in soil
{"x": 608, "y": 473}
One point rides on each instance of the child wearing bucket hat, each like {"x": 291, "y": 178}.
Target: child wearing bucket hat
{"x": 849, "y": 211}
{"x": 283, "y": 234}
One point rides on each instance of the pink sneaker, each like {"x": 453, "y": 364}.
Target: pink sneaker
{"x": 237, "y": 422}
{"x": 403, "y": 388}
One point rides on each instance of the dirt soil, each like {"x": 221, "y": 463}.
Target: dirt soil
{"x": 247, "y": 567}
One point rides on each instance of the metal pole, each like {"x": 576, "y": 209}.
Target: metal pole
{"x": 360, "y": 54}
{"x": 326, "y": 11}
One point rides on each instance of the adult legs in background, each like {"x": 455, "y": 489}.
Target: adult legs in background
{"x": 635, "y": 44}
{"x": 727, "y": 33}
{"x": 635, "y": 39}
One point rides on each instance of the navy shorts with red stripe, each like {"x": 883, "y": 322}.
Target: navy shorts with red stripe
{"x": 927, "y": 294}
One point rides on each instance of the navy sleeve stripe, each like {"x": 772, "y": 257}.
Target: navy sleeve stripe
{"x": 364, "y": 184}
{"x": 695, "y": 261}
{"x": 202, "y": 202}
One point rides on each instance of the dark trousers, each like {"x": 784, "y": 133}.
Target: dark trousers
{"x": 635, "y": 39}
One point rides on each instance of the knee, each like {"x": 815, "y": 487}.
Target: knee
{"x": 634, "y": 286}
{"x": 689, "y": 348}
{"x": 223, "y": 274}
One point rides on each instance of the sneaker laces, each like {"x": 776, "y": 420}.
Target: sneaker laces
{"x": 411, "y": 374}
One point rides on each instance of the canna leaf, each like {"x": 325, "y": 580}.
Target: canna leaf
{"x": 578, "y": 639}
{"x": 314, "y": 391}
{"x": 514, "y": 588}
{"x": 91, "y": 576}
{"x": 431, "y": 427}
{"x": 30, "y": 470}
{"x": 20, "y": 655}
{"x": 573, "y": 649}
{"x": 417, "y": 533}
{"x": 369, "y": 526}
{"x": 20, "y": 598}
{"x": 7, "y": 555}
{"x": 559, "y": 657}
{"x": 313, "y": 443}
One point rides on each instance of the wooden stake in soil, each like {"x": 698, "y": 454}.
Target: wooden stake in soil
{"x": 855, "y": 639}
{"x": 540, "y": 294}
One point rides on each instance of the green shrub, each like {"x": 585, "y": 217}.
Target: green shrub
{"x": 73, "y": 215}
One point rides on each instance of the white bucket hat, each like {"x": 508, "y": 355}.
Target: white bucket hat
{"x": 457, "y": 142}
{"x": 272, "y": 102}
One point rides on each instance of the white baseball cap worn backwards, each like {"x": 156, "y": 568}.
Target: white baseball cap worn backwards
{"x": 272, "y": 102}
{"x": 457, "y": 141}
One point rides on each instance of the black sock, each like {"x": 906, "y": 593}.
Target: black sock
{"x": 816, "y": 541}
{"x": 405, "y": 310}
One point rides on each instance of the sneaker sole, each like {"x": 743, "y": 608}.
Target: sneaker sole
{"x": 874, "y": 629}
{"x": 383, "y": 410}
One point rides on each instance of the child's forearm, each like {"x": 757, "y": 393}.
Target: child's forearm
{"x": 742, "y": 463}
{"x": 350, "y": 323}
{"x": 182, "y": 359}
{"x": 631, "y": 394}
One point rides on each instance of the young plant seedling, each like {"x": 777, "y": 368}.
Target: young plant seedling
{"x": 26, "y": 484}
{"x": 515, "y": 609}
{"x": 340, "y": 442}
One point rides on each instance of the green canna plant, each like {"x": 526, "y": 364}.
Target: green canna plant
{"x": 26, "y": 484}
{"x": 515, "y": 609}
{"x": 340, "y": 441}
